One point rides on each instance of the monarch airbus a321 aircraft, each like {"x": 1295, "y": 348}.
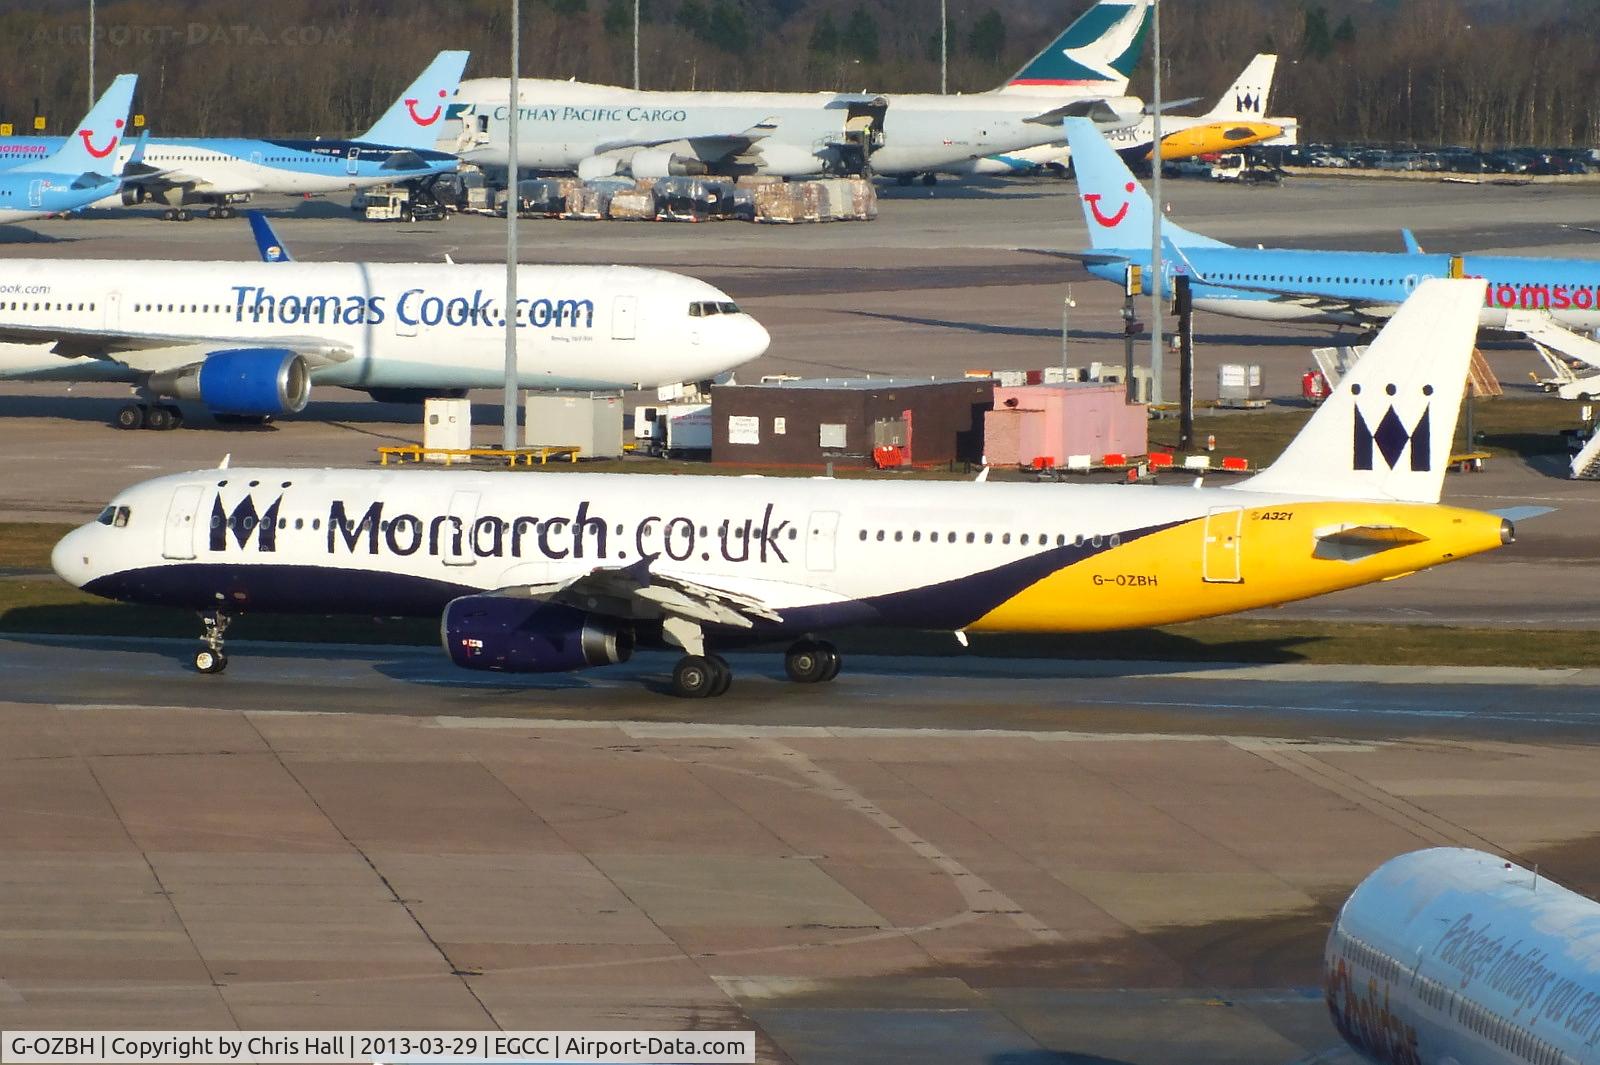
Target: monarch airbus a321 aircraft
{"x": 248, "y": 340}
{"x": 547, "y": 573}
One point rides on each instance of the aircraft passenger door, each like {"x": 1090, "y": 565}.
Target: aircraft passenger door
{"x": 36, "y": 192}
{"x": 457, "y": 546}
{"x": 255, "y": 157}
{"x": 182, "y": 520}
{"x": 352, "y": 161}
{"x": 113, "y": 314}
{"x": 624, "y": 317}
{"x": 1220, "y": 554}
{"x": 821, "y": 529}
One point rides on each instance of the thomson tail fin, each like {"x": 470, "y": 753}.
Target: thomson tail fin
{"x": 1098, "y": 51}
{"x": 1116, "y": 208}
{"x": 1386, "y": 431}
{"x": 413, "y": 121}
{"x": 1247, "y": 96}
{"x": 92, "y": 148}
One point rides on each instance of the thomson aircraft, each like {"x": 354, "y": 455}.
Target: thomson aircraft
{"x": 601, "y": 130}
{"x": 552, "y": 573}
{"x": 220, "y": 172}
{"x": 83, "y": 168}
{"x": 1277, "y": 285}
{"x": 1450, "y": 955}
{"x": 248, "y": 340}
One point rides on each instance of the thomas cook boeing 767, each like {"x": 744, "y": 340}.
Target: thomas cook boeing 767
{"x": 248, "y": 340}
{"x": 548, "y": 573}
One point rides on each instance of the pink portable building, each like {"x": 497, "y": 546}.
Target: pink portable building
{"x": 1041, "y": 426}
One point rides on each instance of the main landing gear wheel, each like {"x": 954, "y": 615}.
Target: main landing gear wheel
{"x": 132, "y": 416}
{"x": 811, "y": 662}
{"x": 701, "y": 677}
{"x": 210, "y": 657}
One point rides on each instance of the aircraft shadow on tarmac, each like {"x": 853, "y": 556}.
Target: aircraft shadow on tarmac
{"x": 1243, "y": 340}
{"x": 24, "y": 235}
{"x": 80, "y": 408}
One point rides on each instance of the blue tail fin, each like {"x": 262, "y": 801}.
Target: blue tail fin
{"x": 93, "y": 145}
{"x": 1099, "y": 50}
{"x": 270, "y": 248}
{"x": 1116, "y": 208}
{"x": 413, "y": 121}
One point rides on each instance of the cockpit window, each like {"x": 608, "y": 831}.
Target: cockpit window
{"x": 117, "y": 517}
{"x": 106, "y": 515}
{"x": 707, "y": 308}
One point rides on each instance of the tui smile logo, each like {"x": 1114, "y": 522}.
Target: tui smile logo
{"x": 99, "y": 153}
{"x": 1391, "y": 438}
{"x": 1107, "y": 221}
{"x": 411, "y": 106}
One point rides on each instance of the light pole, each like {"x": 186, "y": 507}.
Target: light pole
{"x": 1155, "y": 215}
{"x": 636, "y": 4}
{"x": 91, "y": 55}
{"x": 944, "y": 46}
{"x": 508, "y": 438}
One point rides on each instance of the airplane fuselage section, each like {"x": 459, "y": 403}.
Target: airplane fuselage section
{"x": 407, "y": 325}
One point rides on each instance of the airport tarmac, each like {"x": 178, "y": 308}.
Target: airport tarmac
{"x": 950, "y": 859}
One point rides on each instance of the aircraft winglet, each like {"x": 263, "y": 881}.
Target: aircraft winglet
{"x": 271, "y": 249}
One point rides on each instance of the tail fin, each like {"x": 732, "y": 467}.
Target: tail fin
{"x": 1247, "y": 96}
{"x": 413, "y": 121}
{"x": 1386, "y": 432}
{"x": 93, "y": 145}
{"x": 1116, "y": 208}
{"x": 1099, "y": 51}
{"x": 268, "y": 246}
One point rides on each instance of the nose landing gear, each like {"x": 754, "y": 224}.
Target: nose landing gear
{"x": 210, "y": 657}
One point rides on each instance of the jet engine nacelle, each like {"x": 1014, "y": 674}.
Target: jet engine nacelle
{"x": 133, "y": 195}
{"x": 598, "y": 166}
{"x": 512, "y": 635}
{"x": 247, "y": 381}
{"x": 656, "y": 163}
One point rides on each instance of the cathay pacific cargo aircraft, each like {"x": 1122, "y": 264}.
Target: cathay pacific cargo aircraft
{"x": 549, "y": 573}
{"x": 600, "y": 130}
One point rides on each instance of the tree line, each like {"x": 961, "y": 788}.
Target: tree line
{"x": 1483, "y": 73}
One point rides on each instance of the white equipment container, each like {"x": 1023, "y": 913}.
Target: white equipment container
{"x": 447, "y": 424}
{"x": 589, "y": 422}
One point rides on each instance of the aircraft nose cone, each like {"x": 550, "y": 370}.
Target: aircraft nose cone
{"x": 70, "y": 558}
{"x": 759, "y": 340}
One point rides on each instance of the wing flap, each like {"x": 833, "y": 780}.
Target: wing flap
{"x": 635, "y": 592}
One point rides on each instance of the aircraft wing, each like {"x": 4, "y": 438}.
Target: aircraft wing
{"x": 635, "y": 592}
{"x": 709, "y": 144}
{"x": 154, "y": 354}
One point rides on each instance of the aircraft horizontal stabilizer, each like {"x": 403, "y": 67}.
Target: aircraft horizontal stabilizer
{"x": 1350, "y": 543}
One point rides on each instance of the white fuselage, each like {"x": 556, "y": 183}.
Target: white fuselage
{"x": 564, "y": 123}
{"x": 404, "y": 325}
{"x": 1446, "y": 956}
{"x": 819, "y": 552}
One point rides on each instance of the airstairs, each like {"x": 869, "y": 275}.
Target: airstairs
{"x": 1556, "y": 346}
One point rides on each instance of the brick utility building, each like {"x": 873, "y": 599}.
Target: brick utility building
{"x": 850, "y": 421}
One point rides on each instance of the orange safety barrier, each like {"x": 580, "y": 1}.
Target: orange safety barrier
{"x": 1115, "y": 458}
{"x": 1044, "y": 462}
{"x": 1235, "y": 465}
{"x": 1160, "y": 460}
